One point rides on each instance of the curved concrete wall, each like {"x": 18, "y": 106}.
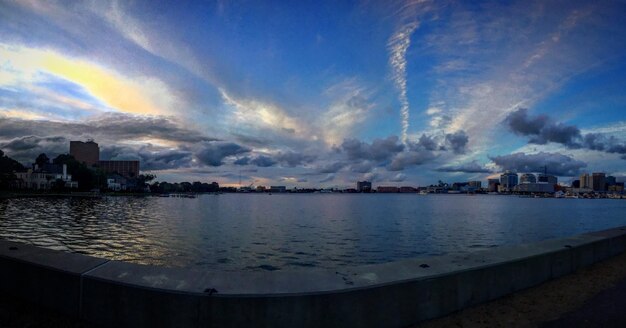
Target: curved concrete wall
{"x": 394, "y": 294}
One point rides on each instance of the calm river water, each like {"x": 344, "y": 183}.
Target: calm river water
{"x": 287, "y": 231}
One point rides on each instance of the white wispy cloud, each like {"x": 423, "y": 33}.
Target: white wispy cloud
{"x": 398, "y": 45}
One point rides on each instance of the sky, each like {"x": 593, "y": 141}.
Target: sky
{"x": 319, "y": 93}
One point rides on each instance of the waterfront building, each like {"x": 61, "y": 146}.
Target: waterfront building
{"x": 618, "y": 187}
{"x": 547, "y": 178}
{"x": 45, "y": 177}
{"x": 364, "y": 186}
{"x": 598, "y": 181}
{"x": 278, "y": 189}
{"x": 585, "y": 180}
{"x": 407, "y": 189}
{"x": 527, "y": 178}
{"x": 387, "y": 189}
{"x": 475, "y": 184}
{"x": 260, "y": 189}
{"x": 508, "y": 180}
{"x": 85, "y": 152}
{"x": 128, "y": 169}
{"x": 492, "y": 185}
{"x": 576, "y": 184}
{"x": 534, "y": 187}
{"x": 458, "y": 185}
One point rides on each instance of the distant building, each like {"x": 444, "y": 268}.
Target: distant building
{"x": 458, "y": 185}
{"x": 85, "y": 152}
{"x": 585, "y": 181}
{"x": 364, "y": 186}
{"x": 576, "y": 184}
{"x": 278, "y": 189}
{"x": 260, "y": 189}
{"x": 407, "y": 189}
{"x": 386, "y": 189}
{"x": 492, "y": 185}
{"x": 534, "y": 187}
{"x": 475, "y": 184}
{"x": 598, "y": 182}
{"x": 617, "y": 187}
{"x": 128, "y": 169}
{"x": 527, "y": 178}
{"x": 508, "y": 180}
{"x": 547, "y": 178}
{"x": 45, "y": 177}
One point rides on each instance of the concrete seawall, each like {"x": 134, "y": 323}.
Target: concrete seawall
{"x": 394, "y": 294}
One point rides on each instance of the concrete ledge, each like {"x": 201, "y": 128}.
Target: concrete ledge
{"x": 395, "y": 294}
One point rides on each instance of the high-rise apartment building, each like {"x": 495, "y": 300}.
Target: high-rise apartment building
{"x": 85, "y": 152}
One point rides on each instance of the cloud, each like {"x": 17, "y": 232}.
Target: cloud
{"x": 329, "y": 177}
{"x": 398, "y": 45}
{"x": 332, "y": 167}
{"x": 144, "y": 95}
{"x": 457, "y": 141}
{"x": 542, "y": 129}
{"x": 557, "y": 164}
{"x": 379, "y": 150}
{"x": 213, "y": 153}
{"x": 410, "y": 158}
{"x": 25, "y": 149}
{"x": 398, "y": 177}
{"x": 292, "y": 159}
{"x": 263, "y": 161}
{"x": 107, "y": 126}
{"x": 152, "y": 158}
{"x": 471, "y": 167}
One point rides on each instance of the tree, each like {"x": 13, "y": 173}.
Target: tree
{"x": 42, "y": 159}
{"x": 7, "y": 168}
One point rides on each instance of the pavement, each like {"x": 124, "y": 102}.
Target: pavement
{"x": 591, "y": 297}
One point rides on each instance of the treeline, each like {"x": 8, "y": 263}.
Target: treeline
{"x": 7, "y": 167}
{"x": 166, "y": 187}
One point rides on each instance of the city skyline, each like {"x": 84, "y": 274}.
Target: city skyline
{"x": 319, "y": 94}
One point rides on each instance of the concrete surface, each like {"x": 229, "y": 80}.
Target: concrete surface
{"x": 392, "y": 294}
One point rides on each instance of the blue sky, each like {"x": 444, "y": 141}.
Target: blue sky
{"x": 319, "y": 93}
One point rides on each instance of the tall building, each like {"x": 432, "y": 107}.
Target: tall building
{"x": 85, "y": 152}
{"x": 364, "y": 186}
{"x": 598, "y": 181}
{"x": 127, "y": 169}
{"x": 585, "y": 180}
{"x": 548, "y": 178}
{"x": 528, "y": 178}
{"x": 493, "y": 184}
{"x": 475, "y": 184}
{"x": 508, "y": 180}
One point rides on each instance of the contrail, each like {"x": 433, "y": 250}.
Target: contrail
{"x": 398, "y": 45}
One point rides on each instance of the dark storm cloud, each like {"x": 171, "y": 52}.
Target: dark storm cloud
{"x": 213, "y": 153}
{"x": 152, "y": 158}
{"x": 242, "y": 161}
{"x": 378, "y": 150}
{"x": 292, "y": 159}
{"x": 331, "y": 168}
{"x": 472, "y": 167}
{"x": 542, "y": 130}
{"x": 26, "y": 149}
{"x": 107, "y": 126}
{"x": 457, "y": 141}
{"x": 558, "y": 164}
{"x": 263, "y": 161}
{"x": 428, "y": 142}
{"x": 410, "y": 158}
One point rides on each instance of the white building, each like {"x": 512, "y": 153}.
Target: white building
{"x": 44, "y": 178}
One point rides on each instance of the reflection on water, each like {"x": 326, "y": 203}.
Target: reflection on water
{"x": 286, "y": 231}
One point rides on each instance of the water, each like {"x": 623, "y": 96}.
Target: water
{"x": 287, "y": 231}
